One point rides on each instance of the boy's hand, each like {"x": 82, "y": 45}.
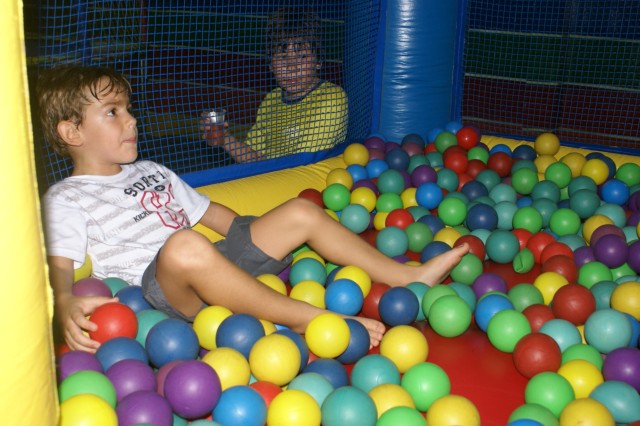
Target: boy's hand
{"x": 214, "y": 133}
{"x": 72, "y": 312}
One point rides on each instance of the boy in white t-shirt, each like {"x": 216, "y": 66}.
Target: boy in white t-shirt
{"x": 134, "y": 221}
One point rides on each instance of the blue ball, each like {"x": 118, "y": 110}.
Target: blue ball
{"x": 615, "y": 191}
{"x": 344, "y": 296}
{"x": 392, "y": 241}
{"x": 414, "y": 138}
{"x": 307, "y": 269}
{"x": 240, "y": 332}
{"x": 300, "y": 343}
{"x": 170, "y": 340}
{"x": 481, "y": 216}
{"x": 355, "y": 217}
{"x": 359, "y": 342}
{"x": 419, "y": 289}
{"x": 133, "y": 298}
{"x": 349, "y": 406}
{"x": 331, "y": 369}
{"x": 375, "y": 167}
{"x": 433, "y": 222}
{"x": 453, "y": 126}
{"x": 358, "y": 172}
{"x": 500, "y": 147}
{"x": 563, "y": 332}
{"x": 397, "y": 159}
{"x": 391, "y": 181}
{"x": 398, "y": 306}
{"x": 240, "y": 406}
{"x": 314, "y": 384}
{"x": 429, "y": 195}
{"x": 433, "y": 133}
{"x": 488, "y": 306}
{"x": 118, "y": 349}
{"x": 621, "y": 399}
{"x": 374, "y": 370}
{"x": 433, "y": 249}
{"x": 502, "y": 246}
{"x": 474, "y": 189}
{"x": 524, "y": 152}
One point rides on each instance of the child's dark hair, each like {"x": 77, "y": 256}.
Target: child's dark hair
{"x": 64, "y": 92}
{"x": 296, "y": 25}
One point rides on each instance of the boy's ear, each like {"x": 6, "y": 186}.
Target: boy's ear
{"x": 68, "y": 131}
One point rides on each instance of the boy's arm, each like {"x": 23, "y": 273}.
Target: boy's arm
{"x": 218, "y": 218}
{"x": 70, "y": 310}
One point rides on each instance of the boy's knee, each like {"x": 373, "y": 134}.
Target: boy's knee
{"x": 185, "y": 244}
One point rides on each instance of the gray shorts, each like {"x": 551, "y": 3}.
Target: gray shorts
{"x": 237, "y": 247}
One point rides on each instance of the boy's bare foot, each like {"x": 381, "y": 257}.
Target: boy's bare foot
{"x": 375, "y": 328}
{"x": 436, "y": 269}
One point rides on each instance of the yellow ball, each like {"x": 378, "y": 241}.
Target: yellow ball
{"x": 268, "y": 326}
{"x": 356, "y": 153}
{"x": 206, "y": 324}
{"x": 365, "y": 197}
{"x": 596, "y": 169}
{"x": 87, "y": 410}
{"x": 327, "y": 335}
{"x": 542, "y": 162}
{"x": 548, "y": 283}
{"x": 582, "y": 375}
{"x": 405, "y": 346}
{"x": 453, "y": 410}
{"x": 408, "y": 197}
{"x": 309, "y": 291}
{"x": 306, "y": 254}
{"x": 333, "y": 214}
{"x": 84, "y": 271}
{"x": 547, "y": 144}
{"x": 593, "y": 223}
{"x": 293, "y": 407}
{"x": 341, "y": 176}
{"x": 447, "y": 235}
{"x": 389, "y": 395}
{"x": 357, "y": 275}
{"x": 575, "y": 161}
{"x": 626, "y": 298}
{"x": 230, "y": 365}
{"x": 275, "y": 358}
{"x": 379, "y": 220}
{"x": 273, "y": 281}
{"x": 586, "y": 412}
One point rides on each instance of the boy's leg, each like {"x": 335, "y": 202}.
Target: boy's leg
{"x": 190, "y": 271}
{"x": 300, "y": 221}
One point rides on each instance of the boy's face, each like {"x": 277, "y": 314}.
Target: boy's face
{"x": 295, "y": 69}
{"x": 108, "y": 135}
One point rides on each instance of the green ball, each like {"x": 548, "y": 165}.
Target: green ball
{"x": 478, "y": 153}
{"x": 545, "y": 207}
{"x": 417, "y": 160}
{"x": 435, "y": 159}
{"x": 444, "y": 140}
{"x": 592, "y": 273}
{"x": 488, "y": 178}
{"x": 391, "y": 180}
{"x": 450, "y": 316}
{"x": 448, "y": 179}
{"x": 502, "y": 246}
{"x": 503, "y": 192}
{"x": 623, "y": 270}
{"x": 401, "y": 415}
{"x": 392, "y": 241}
{"x": 146, "y": 320}
{"x": 564, "y": 221}
{"x": 629, "y": 173}
{"x": 534, "y": 412}
{"x": 115, "y": 284}
{"x": 467, "y": 270}
{"x": 506, "y": 328}
{"x": 524, "y": 261}
{"x": 425, "y": 382}
{"x": 87, "y": 381}
{"x": 585, "y": 352}
{"x": 465, "y": 292}
{"x": 546, "y": 189}
{"x": 527, "y": 218}
{"x": 419, "y": 235}
{"x": 388, "y": 202}
{"x": 524, "y": 180}
{"x": 452, "y": 211}
{"x": 433, "y": 294}
{"x": 614, "y": 212}
{"x": 505, "y": 210}
{"x": 558, "y": 173}
{"x": 550, "y": 390}
{"x": 585, "y": 203}
{"x": 336, "y": 197}
{"x": 524, "y": 295}
{"x": 582, "y": 182}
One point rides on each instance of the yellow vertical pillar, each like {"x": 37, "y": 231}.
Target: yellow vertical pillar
{"x": 27, "y": 373}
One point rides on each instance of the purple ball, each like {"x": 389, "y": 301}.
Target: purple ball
{"x": 144, "y": 407}
{"x": 374, "y": 142}
{"x": 487, "y": 282}
{"x": 583, "y": 255}
{"x": 423, "y": 173}
{"x": 603, "y": 230}
{"x": 633, "y": 259}
{"x": 633, "y": 218}
{"x": 634, "y": 201}
{"x": 390, "y": 146}
{"x": 397, "y": 159}
{"x": 377, "y": 154}
{"x": 623, "y": 364}
{"x": 74, "y": 361}
{"x": 413, "y": 148}
{"x": 366, "y": 183}
{"x": 611, "y": 250}
{"x": 131, "y": 375}
{"x": 91, "y": 287}
{"x": 192, "y": 389}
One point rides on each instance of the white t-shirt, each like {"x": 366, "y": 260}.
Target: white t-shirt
{"x": 121, "y": 221}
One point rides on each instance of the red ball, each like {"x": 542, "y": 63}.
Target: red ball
{"x": 476, "y": 245}
{"x": 563, "y": 265}
{"x": 537, "y": 315}
{"x": 267, "y": 390}
{"x": 538, "y": 242}
{"x": 500, "y": 162}
{"x": 113, "y": 320}
{"x": 400, "y": 218}
{"x": 468, "y": 137}
{"x": 573, "y": 303}
{"x": 462, "y": 179}
{"x": 553, "y": 249}
{"x": 536, "y": 353}
{"x": 455, "y": 158}
{"x": 431, "y": 147}
{"x": 474, "y": 167}
{"x": 371, "y": 302}
{"x": 313, "y": 195}
{"x": 523, "y": 236}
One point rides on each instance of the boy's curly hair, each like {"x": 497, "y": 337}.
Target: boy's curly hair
{"x": 301, "y": 26}
{"x": 64, "y": 91}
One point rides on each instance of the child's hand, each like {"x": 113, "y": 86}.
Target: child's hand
{"x": 214, "y": 133}
{"x": 72, "y": 314}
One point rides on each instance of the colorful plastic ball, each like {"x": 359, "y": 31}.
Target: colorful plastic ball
{"x": 538, "y": 314}
{"x": 549, "y": 283}
{"x": 192, "y": 388}
{"x": 230, "y": 365}
{"x": 405, "y": 346}
{"x": 467, "y": 270}
{"x": 536, "y": 353}
{"x": 363, "y": 196}
{"x": 447, "y": 179}
{"x": 626, "y": 298}
{"x": 413, "y": 138}
{"x": 533, "y": 412}
{"x": 147, "y": 319}
{"x": 336, "y": 196}
{"x": 375, "y": 167}
{"x": 584, "y": 202}
{"x": 587, "y": 412}
{"x": 562, "y": 331}
{"x": 564, "y": 221}
{"x": 74, "y": 361}
{"x": 266, "y": 390}
{"x": 343, "y": 296}
{"x": 401, "y": 415}
{"x": 574, "y": 303}
{"x": 611, "y": 250}
{"x": 374, "y": 141}
{"x": 391, "y": 181}
{"x": 583, "y": 376}
{"x": 327, "y": 335}
{"x": 292, "y": 408}
{"x": 88, "y": 382}
{"x": 240, "y": 406}
{"x": 506, "y": 328}
{"x": 592, "y": 273}
{"x": 91, "y": 286}
{"x": 359, "y": 342}
{"x": 429, "y": 195}
{"x": 524, "y": 180}
{"x": 373, "y": 370}
{"x": 488, "y": 282}
{"x": 113, "y": 320}
{"x": 584, "y": 352}
{"x": 426, "y": 382}
{"x": 313, "y": 195}
{"x": 313, "y": 384}
{"x": 418, "y": 235}
{"x": 120, "y": 348}
{"x": 172, "y": 339}
{"x": 488, "y": 307}
{"x": 450, "y": 316}
{"x": 356, "y": 153}
{"x": 388, "y": 202}
{"x": 131, "y": 375}
{"x": 400, "y": 218}
{"x": 397, "y": 159}
{"x": 144, "y": 407}
{"x": 547, "y": 144}
{"x": 309, "y": 291}
{"x": 392, "y": 241}
{"x": 467, "y": 137}
{"x": 452, "y": 211}
{"x": 388, "y": 395}
{"x": 453, "y": 410}
{"x": 398, "y": 306}
{"x": 558, "y": 173}
{"x": 87, "y": 409}
{"x": 501, "y": 163}
{"x": 602, "y": 292}
{"x": 207, "y": 322}
{"x": 528, "y": 218}
{"x": 629, "y": 173}
{"x": 444, "y": 140}
{"x": 608, "y": 329}
{"x": 621, "y": 399}
{"x": 348, "y": 406}
{"x": 596, "y": 169}
{"x": 502, "y": 246}
{"x": 332, "y": 369}
{"x": 307, "y": 269}
{"x": 524, "y": 295}
{"x": 370, "y": 306}
{"x": 455, "y": 158}
{"x": 615, "y": 191}
{"x": 481, "y": 216}
{"x": 275, "y": 358}
{"x": 355, "y": 217}
{"x": 133, "y": 298}
{"x": 550, "y": 390}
